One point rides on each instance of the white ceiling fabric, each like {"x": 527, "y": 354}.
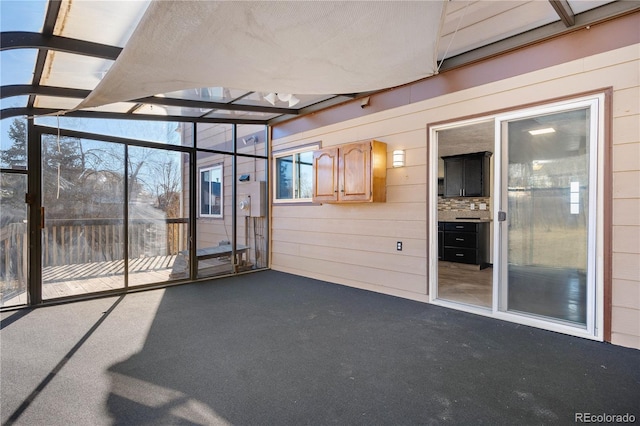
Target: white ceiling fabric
{"x": 287, "y": 47}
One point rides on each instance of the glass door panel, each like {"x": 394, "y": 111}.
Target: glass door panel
{"x": 13, "y": 240}
{"x": 158, "y": 219}
{"x": 546, "y": 183}
{"x": 83, "y": 204}
{"x": 214, "y": 224}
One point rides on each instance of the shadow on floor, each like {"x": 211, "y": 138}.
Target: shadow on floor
{"x": 15, "y": 415}
{"x": 272, "y": 348}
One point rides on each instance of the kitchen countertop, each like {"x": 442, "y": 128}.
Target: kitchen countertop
{"x": 447, "y": 216}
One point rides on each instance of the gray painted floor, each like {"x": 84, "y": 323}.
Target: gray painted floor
{"x": 275, "y": 349}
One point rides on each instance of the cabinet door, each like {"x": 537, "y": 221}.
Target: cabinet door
{"x": 453, "y": 177}
{"x": 325, "y": 176}
{"x": 473, "y": 176}
{"x": 461, "y": 255}
{"x": 355, "y": 172}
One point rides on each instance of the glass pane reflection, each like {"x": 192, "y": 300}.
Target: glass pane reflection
{"x": 13, "y": 240}
{"x": 158, "y": 223}
{"x": 548, "y": 191}
{"x": 83, "y": 193}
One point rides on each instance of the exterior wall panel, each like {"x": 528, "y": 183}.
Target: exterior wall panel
{"x": 355, "y": 245}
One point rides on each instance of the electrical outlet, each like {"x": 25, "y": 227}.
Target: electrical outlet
{"x": 473, "y": 206}
{"x": 483, "y": 206}
{"x": 399, "y": 246}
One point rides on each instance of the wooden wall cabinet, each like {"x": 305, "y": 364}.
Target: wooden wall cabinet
{"x": 352, "y": 173}
{"x": 467, "y": 175}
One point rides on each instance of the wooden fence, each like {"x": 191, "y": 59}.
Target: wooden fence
{"x": 76, "y": 241}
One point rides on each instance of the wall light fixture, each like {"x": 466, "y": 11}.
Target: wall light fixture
{"x": 398, "y": 158}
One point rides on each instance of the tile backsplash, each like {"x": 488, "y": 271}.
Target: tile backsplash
{"x": 462, "y": 206}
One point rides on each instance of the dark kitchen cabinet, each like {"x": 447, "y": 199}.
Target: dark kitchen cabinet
{"x": 440, "y": 240}
{"x": 464, "y": 242}
{"x": 467, "y": 175}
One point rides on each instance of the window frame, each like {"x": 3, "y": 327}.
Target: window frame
{"x": 286, "y": 153}
{"x": 201, "y": 170}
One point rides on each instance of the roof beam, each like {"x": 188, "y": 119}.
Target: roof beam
{"x": 26, "y": 40}
{"x": 187, "y": 103}
{"x": 53, "y": 10}
{"x": 64, "y": 92}
{"x": 27, "y": 89}
{"x": 564, "y": 11}
{"x": 35, "y": 112}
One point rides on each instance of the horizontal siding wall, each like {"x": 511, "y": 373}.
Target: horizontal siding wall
{"x": 626, "y": 208}
{"x": 355, "y": 244}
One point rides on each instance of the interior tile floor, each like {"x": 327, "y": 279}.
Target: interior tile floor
{"x": 558, "y": 293}
{"x": 462, "y": 283}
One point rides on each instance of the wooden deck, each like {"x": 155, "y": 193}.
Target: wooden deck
{"x": 79, "y": 271}
{"x": 85, "y": 278}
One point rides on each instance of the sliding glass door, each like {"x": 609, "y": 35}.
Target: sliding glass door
{"x": 547, "y": 244}
{"x": 542, "y": 211}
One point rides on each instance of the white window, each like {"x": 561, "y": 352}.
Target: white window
{"x": 293, "y": 171}
{"x": 211, "y": 191}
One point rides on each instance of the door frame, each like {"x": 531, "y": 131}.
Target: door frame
{"x": 598, "y": 324}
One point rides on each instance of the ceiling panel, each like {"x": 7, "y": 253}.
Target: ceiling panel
{"x": 483, "y": 22}
{"x": 579, "y": 6}
{"x": 107, "y": 22}
{"x": 69, "y": 103}
{"x": 75, "y": 71}
{"x": 469, "y": 24}
{"x": 320, "y": 48}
